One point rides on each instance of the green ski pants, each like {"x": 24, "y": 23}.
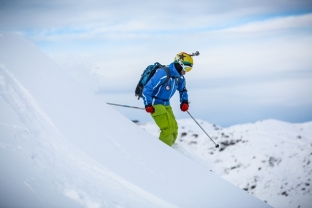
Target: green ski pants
{"x": 167, "y": 123}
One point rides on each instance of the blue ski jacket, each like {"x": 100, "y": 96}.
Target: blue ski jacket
{"x": 156, "y": 92}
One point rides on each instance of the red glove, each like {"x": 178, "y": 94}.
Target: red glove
{"x": 150, "y": 109}
{"x": 184, "y": 106}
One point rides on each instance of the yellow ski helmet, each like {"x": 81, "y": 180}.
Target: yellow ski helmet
{"x": 185, "y": 60}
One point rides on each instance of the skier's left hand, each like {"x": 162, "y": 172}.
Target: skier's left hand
{"x": 184, "y": 106}
{"x": 150, "y": 109}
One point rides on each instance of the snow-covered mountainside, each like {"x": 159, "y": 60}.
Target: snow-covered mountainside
{"x": 270, "y": 159}
{"x": 61, "y": 145}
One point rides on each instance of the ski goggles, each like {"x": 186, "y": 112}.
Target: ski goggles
{"x": 186, "y": 68}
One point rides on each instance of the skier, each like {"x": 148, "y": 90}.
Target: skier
{"x": 156, "y": 96}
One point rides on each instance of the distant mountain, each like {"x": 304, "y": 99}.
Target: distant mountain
{"x": 270, "y": 159}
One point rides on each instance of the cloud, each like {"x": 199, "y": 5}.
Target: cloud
{"x": 275, "y": 24}
{"x": 250, "y": 50}
{"x": 139, "y": 15}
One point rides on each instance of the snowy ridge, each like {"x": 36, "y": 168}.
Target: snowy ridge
{"x": 49, "y": 150}
{"x": 270, "y": 159}
{"x": 61, "y": 145}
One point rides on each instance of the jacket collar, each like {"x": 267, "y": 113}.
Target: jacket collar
{"x": 173, "y": 71}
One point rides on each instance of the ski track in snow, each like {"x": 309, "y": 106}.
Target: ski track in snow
{"x": 22, "y": 102}
{"x": 47, "y": 148}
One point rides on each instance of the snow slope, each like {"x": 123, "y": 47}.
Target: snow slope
{"x": 62, "y": 146}
{"x": 270, "y": 159}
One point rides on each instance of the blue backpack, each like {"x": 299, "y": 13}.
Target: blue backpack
{"x": 147, "y": 75}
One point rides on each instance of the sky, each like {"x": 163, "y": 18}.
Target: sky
{"x": 254, "y": 58}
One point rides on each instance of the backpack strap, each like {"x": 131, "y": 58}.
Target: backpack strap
{"x": 168, "y": 74}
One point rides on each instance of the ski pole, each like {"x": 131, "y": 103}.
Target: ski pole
{"x": 127, "y": 106}
{"x": 217, "y": 145}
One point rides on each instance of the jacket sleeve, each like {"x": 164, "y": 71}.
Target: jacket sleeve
{"x": 158, "y": 79}
{"x": 182, "y": 90}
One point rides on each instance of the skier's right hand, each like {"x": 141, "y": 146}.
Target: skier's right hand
{"x": 150, "y": 109}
